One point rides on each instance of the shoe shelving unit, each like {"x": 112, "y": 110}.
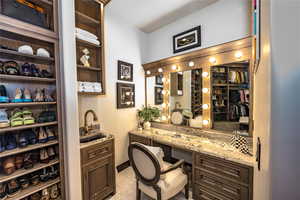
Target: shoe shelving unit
{"x": 90, "y": 17}
{"x": 14, "y": 33}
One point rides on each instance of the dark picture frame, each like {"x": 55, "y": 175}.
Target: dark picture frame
{"x": 125, "y": 95}
{"x": 158, "y": 96}
{"x": 187, "y": 40}
{"x": 125, "y": 71}
{"x": 159, "y": 79}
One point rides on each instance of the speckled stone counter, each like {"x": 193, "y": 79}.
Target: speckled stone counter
{"x": 88, "y": 144}
{"x": 197, "y": 144}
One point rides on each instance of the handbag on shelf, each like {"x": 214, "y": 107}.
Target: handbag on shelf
{"x": 25, "y": 11}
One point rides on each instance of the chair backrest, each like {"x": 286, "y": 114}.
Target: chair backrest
{"x": 144, "y": 164}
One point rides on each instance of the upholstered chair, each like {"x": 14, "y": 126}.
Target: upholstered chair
{"x": 158, "y": 179}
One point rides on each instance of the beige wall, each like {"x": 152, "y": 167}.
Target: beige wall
{"x": 123, "y": 42}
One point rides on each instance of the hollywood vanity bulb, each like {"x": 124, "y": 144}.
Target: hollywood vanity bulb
{"x": 212, "y": 60}
{"x": 205, "y": 122}
{"x": 238, "y": 54}
{"x": 205, "y": 106}
{"x": 191, "y": 64}
{"x": 148, "y": 72}
{"x": 205, "y": 74}
{"x": 174, "y": 67}
{"x": 164, "y": 105}
{"x": 160, "y": 70}
{"x": 205, "y": 90}
{"x": 164, "y": 92}
{"x": 164, "y": 118}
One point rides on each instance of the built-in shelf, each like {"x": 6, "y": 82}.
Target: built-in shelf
{"x": 81, "y": 67}
{"x": 86, "y": 43}
{"x": 22, "y": 172}
{"x": 25, "y": 57}
{"x": 17, "y": 128}
{"x": 9, "y": 105}
{"x": 86, "y": 19}
{"x": 26, "y": 79}
{"x": 28, "y": 148}
{"x": 33, "y": 189}
{"x": 220, "y": 85}
{"x": 91, "y": 93}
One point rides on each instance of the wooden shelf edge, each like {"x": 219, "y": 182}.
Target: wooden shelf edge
{"x": 16, "y": 53}
{"x": 88, "y": 68}
{"x": 86, "y": 43}
{"x": 27, "y": 29}
{"x": 92, "y": 93}
{"x": 86, "y": 19}
{"x": 28, "y": 148}
{"x": 17, "y": 128}
{"x": 26, "y": 78}
{"x": 8, "y": 105}
{"x": 22, "y": 172}
{"x": 33, "y": 189}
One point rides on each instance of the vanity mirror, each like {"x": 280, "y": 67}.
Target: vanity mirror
{"x": 209, "y": 88}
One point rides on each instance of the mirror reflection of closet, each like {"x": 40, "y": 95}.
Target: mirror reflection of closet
{"x": 186, "y": 98}
{"x": 230, "y": 98}
{"x": 154, "y": 91}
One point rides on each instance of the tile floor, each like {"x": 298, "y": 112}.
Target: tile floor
{"x": 126, "y": 187}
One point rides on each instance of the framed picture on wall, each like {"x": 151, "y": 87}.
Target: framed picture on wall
{"x": 158, "y": 96}
{"x": 159, "y": 79}
{"x": 125, "y": 95}
{"x": 187, "y": 40}
{"x": 125, "y": 71}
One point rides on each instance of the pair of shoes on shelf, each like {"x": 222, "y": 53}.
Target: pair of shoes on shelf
{"x": 3, "y": 94}
{"x": 30, "y": 70}
{"x": 13, "y": 163}
{"x": 22, "y": 96}
{"x": 4, "y": 122}
{"x": 47, "y": 116}
{"x": 47, "y": 154}
{"x": 49, "y": 173}
{"x": 8, "y": 142}
{"x": 46, "y": 134}
{"x": 43, "y": 95}
{"x": 21, "y": 117}
{"x": 27, "y": 137}
{"x": 9, "y": 189}
{"x": 10, "y": 68}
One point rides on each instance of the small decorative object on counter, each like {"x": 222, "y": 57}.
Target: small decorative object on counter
{"x": 85, "y": 58}
{"x": 147, "y": 114}
{"x": 239, "y": 142}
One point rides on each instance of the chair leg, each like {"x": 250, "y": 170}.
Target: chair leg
{"x": 158, "y": 191}
{"x": 138, "y": 191}
{"x": 186, "y": 192}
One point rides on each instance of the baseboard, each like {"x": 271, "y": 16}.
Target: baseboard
{"x": 123, "y": 166}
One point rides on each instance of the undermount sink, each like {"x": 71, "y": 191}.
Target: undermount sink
{"x": 91, "y": 136}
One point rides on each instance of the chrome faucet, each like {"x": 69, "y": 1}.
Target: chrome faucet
{"x": 86, "y": 127}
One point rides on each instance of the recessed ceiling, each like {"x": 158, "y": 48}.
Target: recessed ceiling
{"x": 150, "y": 15}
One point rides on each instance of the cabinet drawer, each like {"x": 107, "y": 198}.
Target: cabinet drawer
{"x": 224, "y": 168}
{"x": 94, "y": 152}
{"x": 201, "y": 193}
{"x": 221, "y": 186}
{"x": 140, "y": 139}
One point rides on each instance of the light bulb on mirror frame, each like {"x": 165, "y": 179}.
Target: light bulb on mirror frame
{"x": 164, "y": 105}
{"x": 205, "y": 74}
{"x": 164, "y": 118}
{"x": 160, "y": 70}
{"x": 205, "y": 106}
{"x": 212, "y": 60}
{"x": 148, "y": 72}
{"x": 174, "y": 67}
{"x": 205, "y": 90}
{"x": 238, "y": 54}
{"x": 205, "y": 122}
{"x": 164, "y": 92}
{"x": 191, "y": 64}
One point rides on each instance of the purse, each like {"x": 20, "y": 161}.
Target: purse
{"x": 25, "y": 11}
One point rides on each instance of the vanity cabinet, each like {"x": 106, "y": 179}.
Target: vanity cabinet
{"x": 140, "y": 139}
{"x": 98, "y": 171}
{"x": 215, "y": 178}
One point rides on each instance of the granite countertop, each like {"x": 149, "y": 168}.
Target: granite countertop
{"x": 98, "y": 141}
{"x": 198, "y": 144}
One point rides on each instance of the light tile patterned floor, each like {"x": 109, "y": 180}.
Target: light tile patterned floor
{"x": 126, "y": 187}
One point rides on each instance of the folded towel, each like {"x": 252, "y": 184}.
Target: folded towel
{"x": 82, "y": 37}
{"x": 86, "y": 33}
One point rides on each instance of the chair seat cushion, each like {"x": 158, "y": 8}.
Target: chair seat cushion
{"x": 172, "y": 184}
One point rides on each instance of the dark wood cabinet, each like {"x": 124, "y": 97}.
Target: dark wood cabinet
{"x": 139, "y": 139}
{"x": 216, "y": 178}
{"x": 98, "y": 171}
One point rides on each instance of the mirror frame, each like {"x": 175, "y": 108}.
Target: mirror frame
{"x": 230, "y": 52}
